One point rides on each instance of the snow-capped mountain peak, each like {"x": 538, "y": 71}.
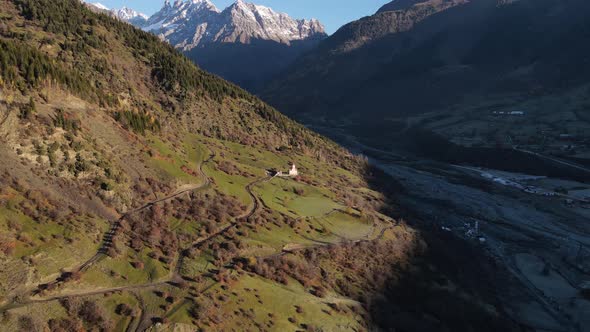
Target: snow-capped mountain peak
{"x": 191, "y": 23}
{"x": 124, "y": 14}
{"x": 129, "y": 15}
{"x": 96, "y": 6}
{"x": 182, "y": 16}
{"x": 251, "y": 21}
{"x": 99, "y": 5}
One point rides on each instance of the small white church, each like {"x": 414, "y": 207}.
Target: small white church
{"x": 293, "y": 172}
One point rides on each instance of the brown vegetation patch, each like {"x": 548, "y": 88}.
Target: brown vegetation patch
{"x": 156, "y": 155}
{"x": 189, "y": 171}
{"x": 7, "y": 244}
{"x": 366, "y": 266}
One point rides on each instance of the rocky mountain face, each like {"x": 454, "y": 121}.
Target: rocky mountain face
{"x": 190, "y": 24}
{"x": 129, "y": 15}
{"x": 398, "y": 5}
{"x": 96, "y": 6}
{"x": 124, "y": 14}
{"x": 245, "y": 43}
{"x": 182, "y": 21}
{"x": 422, "y": 56}
{"x": 405, "y": 16}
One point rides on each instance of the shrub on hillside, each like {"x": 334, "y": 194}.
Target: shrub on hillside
{"x": 7, "y": 244}
{"x": 27, "y": 323}
{"x": 138, "y": 122}
{"x": 299, "y": 191}
{"x": 65, "y": 325}
{"x": 124, "y": 309}
{"x": 94, "y": 315}
{"x": 66, "y": 121}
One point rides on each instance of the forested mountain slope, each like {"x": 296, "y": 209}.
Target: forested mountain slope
{"x": 424, "y": 56}
{"x": 137, "y": 191}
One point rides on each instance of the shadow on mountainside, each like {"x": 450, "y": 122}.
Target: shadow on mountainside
{"x": 249, "y": 65}
{"x": 450, "y": 285}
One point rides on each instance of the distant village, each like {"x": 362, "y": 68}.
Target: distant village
{"x": 579, "y": 197}
{"x": 511, "y": 128}
{"x": 509, "y": 113}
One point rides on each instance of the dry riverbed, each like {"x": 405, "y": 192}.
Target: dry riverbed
{"x": 542, "y": 242}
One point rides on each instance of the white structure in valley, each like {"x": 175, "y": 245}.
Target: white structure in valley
{"x": 293, "y": 172}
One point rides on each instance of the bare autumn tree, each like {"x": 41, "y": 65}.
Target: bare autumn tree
{"x": 158, "y": 215}
{"x": 65, "y": 325}
{"x": 28, "y": 323}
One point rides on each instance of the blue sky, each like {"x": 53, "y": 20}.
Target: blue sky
{"x": 333, "y": 13}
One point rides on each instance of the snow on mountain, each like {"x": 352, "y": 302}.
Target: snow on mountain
{"x": 124, "y": 14}
{"x": 192, "y": 23}
{"x": 100, "y": 6}
{"x": 175, "y": 21}
{"x": 187, "y": 24}
{"x": 244, "y": 21}
{"x": 129, "y": 15}
{"x": 97, "y": 6}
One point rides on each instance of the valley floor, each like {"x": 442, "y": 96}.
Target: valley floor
{"x": 538, "y": 237}
{"x": 543, "y": 243}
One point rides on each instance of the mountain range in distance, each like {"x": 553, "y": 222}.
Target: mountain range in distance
{"x": 245, "y": 43}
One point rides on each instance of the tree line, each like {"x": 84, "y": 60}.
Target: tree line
{"x": 138, "y": 122}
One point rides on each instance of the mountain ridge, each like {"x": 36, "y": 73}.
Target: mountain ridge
{"x": 185, "y": 24}
{"x": 399, "y": 5}
{"x": 124, "y": 13}
{"x": 130, "y": 15}
{"x": 449, "y": 49}
{"x": 399, "y": 19}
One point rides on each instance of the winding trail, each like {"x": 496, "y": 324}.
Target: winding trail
{"x": 81, "y": 294}
{"x": 136, "y": 321}
{"x": 295, "y": 248}
{"x": 292, "y": 248}
{"x": 237, "y": 220}
{"x": 116, "y": 225}
{"x": 176, "y": 274}
{"x": 142, "y": 319}
{"x": 107, "y": 240}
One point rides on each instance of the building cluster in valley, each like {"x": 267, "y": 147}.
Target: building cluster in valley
{"x": 574, "y": 195}
{"x": 509, "y": 113}
{"x": 532, "y": 129}
{"x": 470, "y": 230}
{"x": 543, "y": 136}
